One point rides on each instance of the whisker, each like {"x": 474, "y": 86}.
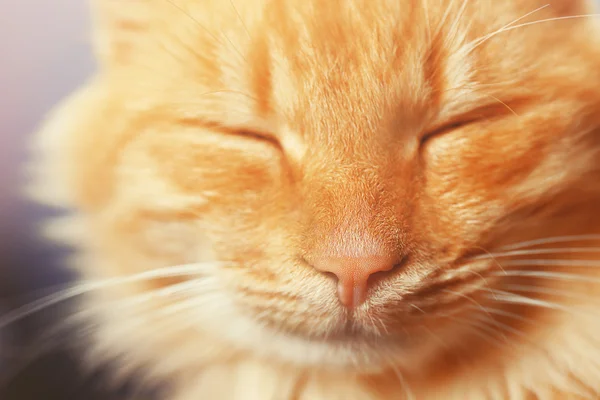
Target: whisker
{"x": 417, "y": 308}
{"x": 481, "y": 40}
{"x": 409, "y": 395}
{"x": 374, "y": 325}
{"x": 547, "y": 291}
{"x": 550, "y": 20}
{"x": 512, "y": 298}
{"x": 501, "y": 102}
{"x": 558, "y": 250}
{"x": 549, "y": 275}
{"x": 552, "y": 263}
{"x": 383, "y": 325}
{"x": 507, "y": 314}
{"x": 90, "y": 286}
{"x": 464, "y": 296}
{"x": 496, "y": 262}
{"x": 240, "y": 18}
{"x": 507, "y": 328}
{"x": 549, "y": 240}
{"x": 54, "y": 336}
{"x": 484, "y": 39}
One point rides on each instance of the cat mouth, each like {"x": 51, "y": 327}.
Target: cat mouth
{"x": 397, "y": 322}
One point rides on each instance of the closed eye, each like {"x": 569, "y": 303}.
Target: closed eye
{"x": 445, "y": 128}
{"x": 243, "y": 132}
{"x": 255, "y": 135}
{"x": 487, "y": 112}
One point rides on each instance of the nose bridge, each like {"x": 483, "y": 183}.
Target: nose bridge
{"x": 356, "y": 189}
{"x": 359, "y": 174}
{"x": 356, "y": 230}
{"x": 353, "y": 211}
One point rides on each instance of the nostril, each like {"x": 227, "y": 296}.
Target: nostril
{"x": 354, "y": 274}
{"x": 323, "y": 271}
{"x": 380, "y": 275}
{"x": 330, "y": 275}
{"x": 402, "y": 262}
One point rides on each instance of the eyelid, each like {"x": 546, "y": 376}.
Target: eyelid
{"x": 256, "y": 135}
{"x": 446, "y": 127}
{"x": 253, "y": 133}
{"x": 485, "y": 112}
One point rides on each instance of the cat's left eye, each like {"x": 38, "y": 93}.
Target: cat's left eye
{"x": 485, "y": 112}
{"x": 445, "y": 128}
{"x": 252, "y": 134}
{"x": 256, "y": 135}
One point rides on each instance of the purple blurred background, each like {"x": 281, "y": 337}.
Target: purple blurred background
{"x": 44, "y": 55}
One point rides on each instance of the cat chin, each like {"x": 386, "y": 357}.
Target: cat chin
{"x": 363, "y": 356}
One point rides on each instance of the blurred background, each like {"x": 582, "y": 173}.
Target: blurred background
{"x": 44, "y": 55}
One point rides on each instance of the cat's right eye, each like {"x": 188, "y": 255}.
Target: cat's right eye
{"x": 255, "y": 135}
{"x": 252, "y": 134}
{"x": 485, "y": 112}
{"x": 445, "y": 128}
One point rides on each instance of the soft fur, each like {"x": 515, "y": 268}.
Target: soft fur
{"x": 244, "y": 138}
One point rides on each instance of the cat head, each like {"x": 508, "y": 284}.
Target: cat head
{"x": 327, "y": 169}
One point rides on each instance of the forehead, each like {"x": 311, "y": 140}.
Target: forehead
{"x": 334, "y": 59}
{"x": 329, "y": 62}
{"x": 322, "y": 65}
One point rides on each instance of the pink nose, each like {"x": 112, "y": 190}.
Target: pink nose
{"x": 353, "y": 274}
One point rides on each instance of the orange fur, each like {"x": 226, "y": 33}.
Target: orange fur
{"x": 246, "y": 137}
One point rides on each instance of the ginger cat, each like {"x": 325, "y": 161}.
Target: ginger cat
{"x": 340, "y": 199}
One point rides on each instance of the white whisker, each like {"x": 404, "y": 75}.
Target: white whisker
{"x": 546, "y": 291}
{"x": 552, "y": 263}
{"x": 466, "y": 297}
{"x": 487, "y": 320}
{"x": 86, "y": 287}
{"x": 82, "y": 320}
{"x": 417, "y": 308}
{"x": 240, "y": 18}
{"x": 507, "y": 314}
{"x": 548, "y": 275}
{"x": 509, "y": 108}
{"x": 476, "y": 43}
{"x": 549, "y": 240}
{"x": 512, "y": 298}
{"x": 550, "y": 20}
{"x": 407, "y": 390}
{"x": 484, "y": 39}
{"x": 383, "y": 325}
{"x": 559, "y": 250}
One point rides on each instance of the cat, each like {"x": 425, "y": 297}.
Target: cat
{"x": 342, "y": 199}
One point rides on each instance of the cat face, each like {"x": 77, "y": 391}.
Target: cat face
{"x": 332, "y": 169}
